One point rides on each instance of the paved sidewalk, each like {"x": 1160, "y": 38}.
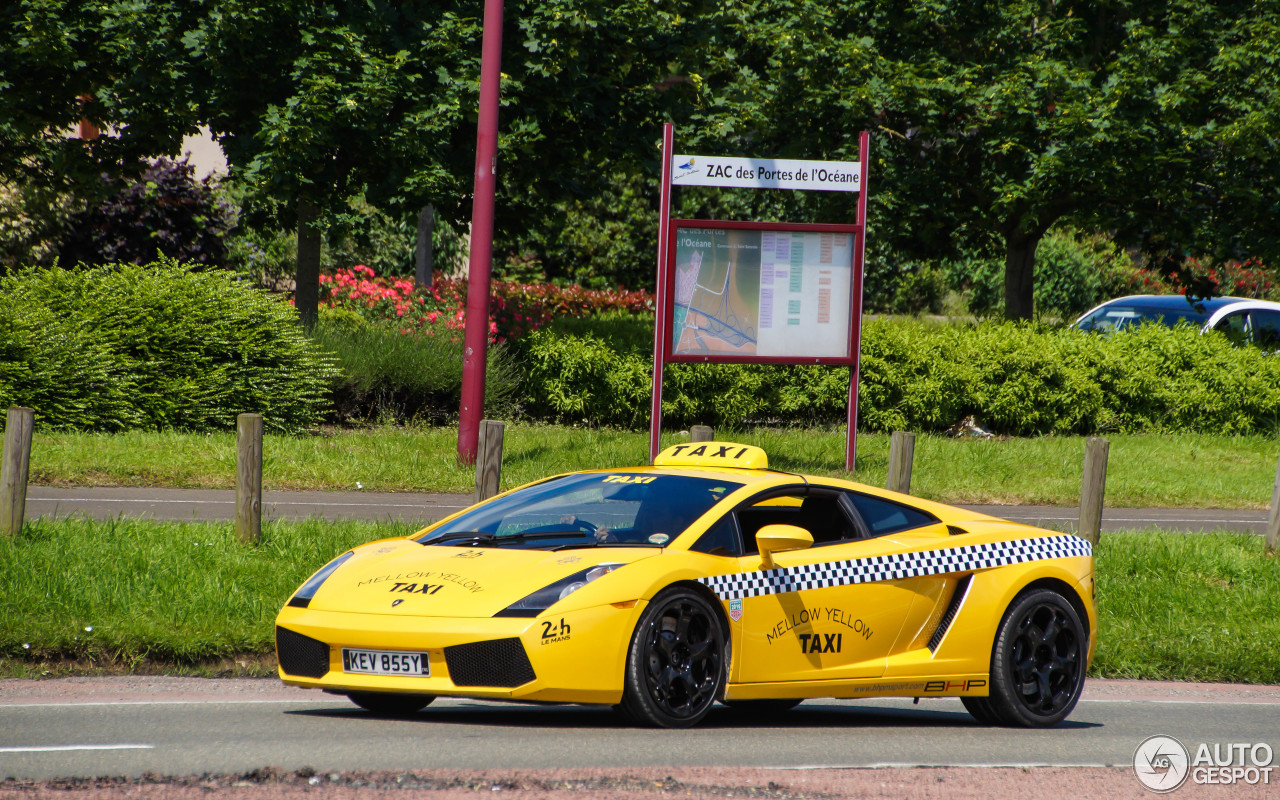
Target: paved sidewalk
{"x": 220, "y": 504}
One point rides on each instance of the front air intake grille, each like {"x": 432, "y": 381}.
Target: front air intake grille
{"x": 499, "y": 662}
{"x": 301, "y": 655}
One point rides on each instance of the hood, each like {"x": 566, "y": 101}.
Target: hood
{"x": 446, "y": 581}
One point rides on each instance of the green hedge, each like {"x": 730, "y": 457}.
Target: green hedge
{"x": 1015, "y": 379}
{"x": 385, "y": 375}
{"x": 154, "y": 346}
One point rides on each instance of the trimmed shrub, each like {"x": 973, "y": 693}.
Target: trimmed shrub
{"x": 387, "y": 375}
{"x": 154, "y": 346}
{"x": 1014, "y": 378}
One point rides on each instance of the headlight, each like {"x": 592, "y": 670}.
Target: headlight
{"x": 302, "y": 597}
{"x": 544, "y": 598}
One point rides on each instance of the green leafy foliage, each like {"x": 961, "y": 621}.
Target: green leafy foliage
{"x": 1074, "y": 271}
{"x": 165, "y": 211}
{"x": 387, "y": 375}
{"x": 154, "y": 346}
{"x": 1014, "y": 378}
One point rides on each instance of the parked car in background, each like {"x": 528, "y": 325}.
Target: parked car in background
{"x": 1245, "y": 321}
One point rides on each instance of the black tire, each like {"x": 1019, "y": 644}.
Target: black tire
{"x": 980, "y": 708}
{"x": 1038, "y": 663}
{"x": 764, "y": 707}
{"x": 677, "y": 662}
{"x": 389, "y": 704}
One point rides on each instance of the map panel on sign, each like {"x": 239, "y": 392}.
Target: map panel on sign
{"x": 745, "y": 292}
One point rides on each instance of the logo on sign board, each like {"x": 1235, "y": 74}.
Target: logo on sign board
{"x": 687, "y": 168}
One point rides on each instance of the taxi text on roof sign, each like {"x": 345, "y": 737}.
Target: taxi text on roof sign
{"x": 713, "y": 454}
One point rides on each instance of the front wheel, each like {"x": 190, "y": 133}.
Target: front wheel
{"x": 677, "y": 661}
{"x": 391, "y": 704}
{"x": 1038, "y": 663}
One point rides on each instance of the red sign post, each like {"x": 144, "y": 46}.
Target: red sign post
{"x": 756, "y": 292}
{"x": 476, "y": 336}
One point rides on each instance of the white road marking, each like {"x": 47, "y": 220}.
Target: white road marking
{"x": 73, "y": 704}
{"x": 948, "y": 765}
{"x": 1261, "y": 701}
{"x": 62, "y": 748}
{"x": 425, "y": 506}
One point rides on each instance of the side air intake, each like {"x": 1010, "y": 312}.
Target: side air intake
{"x": 948, "y": 617}
{"x": 301, "y": 655}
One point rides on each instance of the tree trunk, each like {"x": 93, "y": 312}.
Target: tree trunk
{"x": 1019, "y": 273}
{"x": 306, "y": 295}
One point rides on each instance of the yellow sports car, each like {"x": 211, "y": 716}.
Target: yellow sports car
{"x": 705, "y": 577}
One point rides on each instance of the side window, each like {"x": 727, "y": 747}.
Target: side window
{"x": 1233, "y": 325}
{"x": 721, "y": 539}
{"x": 817, "y": 511}
{"x": 1266, "y": 329}
{"x": 885, "y": 516}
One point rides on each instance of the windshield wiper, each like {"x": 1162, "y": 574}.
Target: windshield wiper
{"x": 481, "y": 537}
{"x": 578, "y": 545}
{"x": 457, "y": 536}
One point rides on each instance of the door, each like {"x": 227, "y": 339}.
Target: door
{"x": 822, "y": 614}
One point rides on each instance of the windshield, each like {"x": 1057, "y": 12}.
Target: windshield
{"x": 600, "y": 509}
{"x": 1118, "y": 317}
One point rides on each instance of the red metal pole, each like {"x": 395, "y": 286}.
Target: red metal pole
{"x": 660, "y": 315}
{"x": 859, "y": 253}
{"x": 476, "y": 338}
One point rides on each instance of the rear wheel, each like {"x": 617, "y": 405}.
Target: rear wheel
{"x": 1038, "y": 663}
{"x": 677, "y": 661}
{"x": 389, "y": 704}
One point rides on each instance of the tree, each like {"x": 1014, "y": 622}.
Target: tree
{"x": 119, "y": 65}
{"x": 996, "y": 120}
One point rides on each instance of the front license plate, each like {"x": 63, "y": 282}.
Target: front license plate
{"x": 384, "y": 662}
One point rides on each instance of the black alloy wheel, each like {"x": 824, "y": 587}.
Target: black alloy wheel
{"x": 391, "y": 704}
{"x": 677, "y": 662}
{"x": 1038, "y": 664}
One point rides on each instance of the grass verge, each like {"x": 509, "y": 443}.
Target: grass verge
{"x": 129, "y": 595}
{"x": 1189, "y": 470}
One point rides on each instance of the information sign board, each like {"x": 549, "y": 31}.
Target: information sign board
{"x": 761, "y": 292}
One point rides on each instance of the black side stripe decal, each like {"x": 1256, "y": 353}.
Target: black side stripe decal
{"x": 896, "y": 566}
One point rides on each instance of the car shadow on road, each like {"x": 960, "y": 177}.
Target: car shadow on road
{"x": 813, "y": 714}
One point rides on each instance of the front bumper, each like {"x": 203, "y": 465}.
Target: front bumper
{"x": 577, "y": 657}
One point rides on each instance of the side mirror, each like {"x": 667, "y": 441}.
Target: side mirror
{"x": 777, "y": 538}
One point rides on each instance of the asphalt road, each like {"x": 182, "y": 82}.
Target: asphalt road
{"x": 215, "y": 504}
{"x": 234, "y": 726}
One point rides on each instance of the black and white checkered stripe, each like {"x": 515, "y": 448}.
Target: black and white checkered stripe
{"x": 895, "y": 567}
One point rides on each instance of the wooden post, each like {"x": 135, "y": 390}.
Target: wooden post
{"x": 489, "y": 459}
{"x": 902, "y": 452}
{"x": 701, "y": 433}
{"x": 249, "y": 478}
{"x": 1093, "y": 486}
{"x": 1273, "y": 521}
{"x": 16, "y": 469}
{"x": 423, "y": 256}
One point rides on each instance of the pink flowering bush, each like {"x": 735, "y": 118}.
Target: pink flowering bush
{"x": 515, "y": 309}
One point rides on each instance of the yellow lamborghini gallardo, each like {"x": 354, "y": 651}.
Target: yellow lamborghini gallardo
{"x": 705, "y": 577}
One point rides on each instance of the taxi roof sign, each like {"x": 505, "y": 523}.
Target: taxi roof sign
{"x": 713, "y": 454}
